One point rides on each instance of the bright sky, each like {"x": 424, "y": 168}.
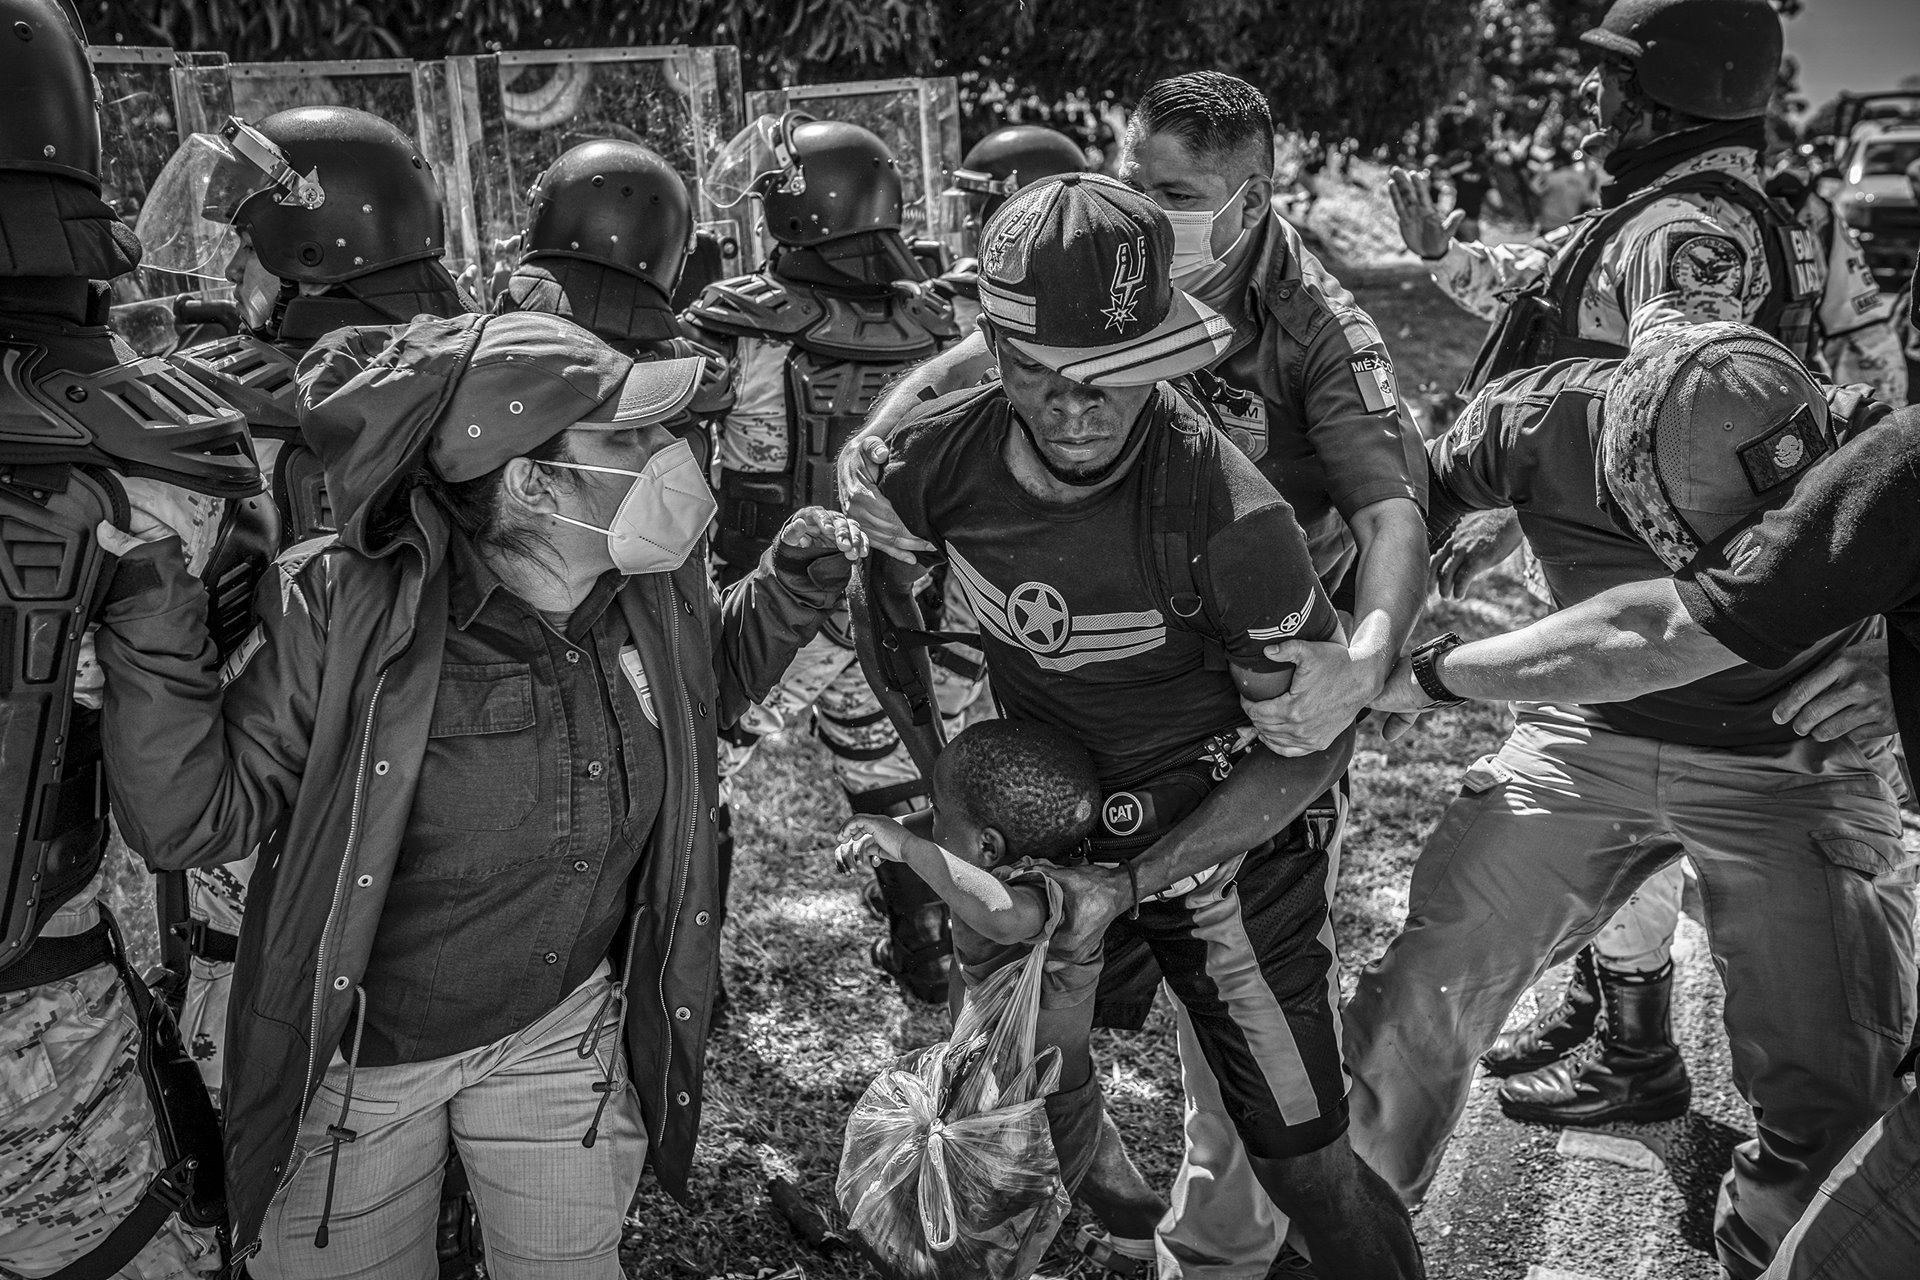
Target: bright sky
{"x": 1854, "y": 44}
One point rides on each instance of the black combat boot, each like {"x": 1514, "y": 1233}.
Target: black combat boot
{"x": 918, "y": 948}
{"x": 1631, "y": 1072}
{"x": 1556, "y": 1031}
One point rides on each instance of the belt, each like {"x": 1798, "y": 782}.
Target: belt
{"x": 207, "y": 942}
{"x": 54, "y": 959}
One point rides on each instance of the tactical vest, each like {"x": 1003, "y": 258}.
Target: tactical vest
{"x": 75, "y": 412}
{"x": 257, "y": 378}
{"x": 842, "y": 351}
{"x": 1541, "y": 323}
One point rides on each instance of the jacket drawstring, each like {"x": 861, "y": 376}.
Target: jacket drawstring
{"x": 339, "y": 1132}
{"x": 616, "y": 999}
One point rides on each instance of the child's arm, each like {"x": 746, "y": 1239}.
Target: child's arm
{"x": 992, "y": 908}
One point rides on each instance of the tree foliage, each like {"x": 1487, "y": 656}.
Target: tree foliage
{"x": 1362, "y": 68}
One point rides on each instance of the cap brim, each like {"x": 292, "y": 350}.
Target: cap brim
{"x": 1611, "y": 42}
{"x": 653, "y": 392}
{"x": 1192, "y": 337}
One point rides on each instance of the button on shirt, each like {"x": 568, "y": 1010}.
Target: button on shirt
{"x": 542, "y": 780}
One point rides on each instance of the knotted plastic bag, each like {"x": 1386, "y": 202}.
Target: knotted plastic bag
{"x": 948, "y": 1170}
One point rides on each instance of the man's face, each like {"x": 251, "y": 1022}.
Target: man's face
{"x": 1080, "y": 429}
{"x": 1162, "y": 167}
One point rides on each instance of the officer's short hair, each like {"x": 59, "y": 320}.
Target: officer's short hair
{"x": 1211, "y": 112}
{"x": 1031, "y": 782}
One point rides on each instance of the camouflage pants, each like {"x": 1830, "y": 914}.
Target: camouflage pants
{"x": 77, "y": 1141}
{"x": 216, "y": 895}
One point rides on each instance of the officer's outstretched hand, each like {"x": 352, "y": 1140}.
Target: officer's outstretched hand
{"x": 1093, "y": 897}
{"x": 859, "y": 469}
{"x": 1847, "y": 694}
{"x": 825, "y": 530}
{"x": 1426, "y": 232}
{"x": 1478, "y": 543}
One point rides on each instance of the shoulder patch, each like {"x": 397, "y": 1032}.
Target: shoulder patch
{"x": 1708, "y": 264}
{"x": 1373, "y": 375}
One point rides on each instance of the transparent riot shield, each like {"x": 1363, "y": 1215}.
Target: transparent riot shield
{"x": 152, "y": 98}
{"x": 515, "y": 113}
{"x": 919, "y": 120}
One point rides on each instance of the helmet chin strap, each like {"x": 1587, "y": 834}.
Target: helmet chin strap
{"x": 1136, "y": 437}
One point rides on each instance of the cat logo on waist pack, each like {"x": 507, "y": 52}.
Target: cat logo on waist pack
{"x": 1373, "y": 374}
{"x": 1124, "y": 813}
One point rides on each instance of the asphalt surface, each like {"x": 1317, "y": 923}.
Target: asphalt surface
{"x": 1515, "y": 1200}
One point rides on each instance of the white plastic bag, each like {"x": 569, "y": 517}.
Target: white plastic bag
{"x": 948, "y": 1170}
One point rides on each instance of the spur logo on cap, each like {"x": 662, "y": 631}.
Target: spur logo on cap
{"x": 1075, "y": 276}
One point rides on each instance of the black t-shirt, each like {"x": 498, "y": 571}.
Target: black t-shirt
{"x": 1527, "y": 442}
{"x": 1846, "y": 547}
{"x": 1072, "y": 617}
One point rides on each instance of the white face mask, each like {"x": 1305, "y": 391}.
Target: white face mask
{"x": 1194, "y": 261}
{"x": 662, "y": 518}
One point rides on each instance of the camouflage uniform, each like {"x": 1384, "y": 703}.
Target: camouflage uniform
{"x": 1699, "y": 253}
{"x": 77, "y": 1139}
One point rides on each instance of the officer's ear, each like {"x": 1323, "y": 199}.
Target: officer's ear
{"x": 528, "y": 488}
{"x": 1257, "y": 200}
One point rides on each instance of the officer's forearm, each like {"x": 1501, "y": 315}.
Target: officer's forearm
{"x": 959, "y": 366}
{"x": 1625, "y": 642}
{"x": 1265, "y": 793}
{"x": 1390, "y": 583}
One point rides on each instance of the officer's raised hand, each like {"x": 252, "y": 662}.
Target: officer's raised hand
{"x": 859, "y": 469}
{"x": 1426, "y": 232}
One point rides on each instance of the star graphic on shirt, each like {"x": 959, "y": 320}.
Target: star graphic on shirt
{"x": 1040, "y": 616}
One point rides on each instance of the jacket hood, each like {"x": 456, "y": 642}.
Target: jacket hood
{"x": 368, "y": 400}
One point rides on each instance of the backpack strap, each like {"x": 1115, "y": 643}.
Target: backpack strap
{"x": 1178, "y": 518}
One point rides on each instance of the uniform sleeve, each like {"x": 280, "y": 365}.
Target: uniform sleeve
{"x": 1845, "y": 548}
{"x": 1358, "y": 426}
{"x": 1263, "y": 586}
{"x": 1475, "y": 275}
{"x": 1676, "y": 252}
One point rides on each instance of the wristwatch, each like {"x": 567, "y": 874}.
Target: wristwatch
{"x": 1426, "y": 660}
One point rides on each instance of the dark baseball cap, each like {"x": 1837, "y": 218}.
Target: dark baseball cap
{"x": 1074, "y": 273}
{"x": 532, "y": 376}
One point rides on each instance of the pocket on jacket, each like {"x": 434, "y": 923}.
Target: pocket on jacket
{"x": 1871, "y": 927}
{"x": 482, "y": 769}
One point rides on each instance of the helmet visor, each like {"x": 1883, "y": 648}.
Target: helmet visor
{"x": 186, "y": 225}
{"x": 757, "y": 161}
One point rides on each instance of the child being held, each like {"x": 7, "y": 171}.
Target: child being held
{"x": 1009, "y": 798}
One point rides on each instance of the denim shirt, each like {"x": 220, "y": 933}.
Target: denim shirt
{"x": 541, "y": 782}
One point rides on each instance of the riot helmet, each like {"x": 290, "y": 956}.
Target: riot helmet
{"x": 49, "y": 100}
{"x": 327, "y": 195}
{"x": 1712, "y": 59}
{"x": 818, "y": 180}
{"x": 1008, "y": 159}
{"x": 615, "y": 203}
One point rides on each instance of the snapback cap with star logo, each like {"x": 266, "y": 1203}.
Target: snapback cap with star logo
{"x": 1074, "y": 273}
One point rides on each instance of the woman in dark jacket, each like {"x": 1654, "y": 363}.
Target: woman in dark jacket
{"x": 474, "y": 734}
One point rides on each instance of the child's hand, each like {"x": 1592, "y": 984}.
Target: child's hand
{"x": 880, "y": 839}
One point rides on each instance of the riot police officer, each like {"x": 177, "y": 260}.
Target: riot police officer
{"x": 998, "y": 165}
{"x": 321, "y": 218}
{"x": 841, "y": 307}
{"x": 1686, "y": 227}
{"x": 108, "y": 1164}
{"x": 609, "y": 234}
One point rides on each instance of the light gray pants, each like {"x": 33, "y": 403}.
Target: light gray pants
{"x": 517, "y": 1109}
{"x": 1809, "y": 918}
